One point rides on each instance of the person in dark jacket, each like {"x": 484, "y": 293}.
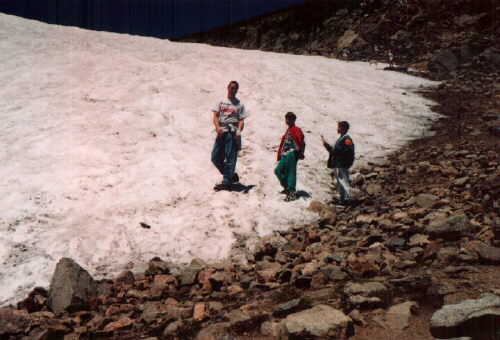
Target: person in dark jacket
{"x": 340, "y": 160}
{"x": 291, "y": 149}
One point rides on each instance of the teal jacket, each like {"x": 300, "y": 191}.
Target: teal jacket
{"x": 342, "y": 154}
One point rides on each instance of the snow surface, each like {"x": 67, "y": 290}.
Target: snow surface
{"x": 101, "y": 131}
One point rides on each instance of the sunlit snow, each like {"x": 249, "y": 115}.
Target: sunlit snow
{"x": 101, "y": 131}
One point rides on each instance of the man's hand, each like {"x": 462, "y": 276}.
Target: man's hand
{"x": 219, "y": 131}
{"x": 238, "y": 134}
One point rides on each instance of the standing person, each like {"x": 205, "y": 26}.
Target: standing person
{"x": 228, "y": 117}
{"x": 340, "y": 160}
{"x": 291, "y": 149}
{"x": 391, "y": 58}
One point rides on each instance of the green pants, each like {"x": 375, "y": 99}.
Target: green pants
{"x": 286, "y": 171}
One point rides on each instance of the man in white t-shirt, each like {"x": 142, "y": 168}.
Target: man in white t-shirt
{"x": 228, "y": 118}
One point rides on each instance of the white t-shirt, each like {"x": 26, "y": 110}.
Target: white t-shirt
{"x": 231, "y": 111}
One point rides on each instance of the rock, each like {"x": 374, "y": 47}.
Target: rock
{"x": 479, "y": 319}
{"x": 270, "y": 328}
{"x": 363, "y": 302}
{"x": 373, "y": 189}
{"x": 395, "y": 242}
{"x": 189, "y": 275}
{"x": 319, "y": 321}
{"x": 316, "y": 206}
{"x": 450, "y": 229}
{"x": 268, "y": 246}
{"x": 200, "y": 312}
{"x": 397, "y": 316}
{"x": 356, "y": 316}
{"x": 485, "y": 253}
{"x": 124, "y": 323}
{"x": 361, "y": 266}
{"x": 334, "y": 273}
{"x": 289, "y": 307}
{"x": 444, "y": 62}
{"x": 71, "y": 288}
{"x": 426, "y": 200}
{"x": 126, "y": 277}
{"x": 160, "y": 312}
{"x": 157, "y": 266}
{"x": 367, "y": 289}
{"x": 240, "y": 321}
{"x": 348, "y": 39}
{"x": 418, "y": 240}
{"x": 13, "y": 321}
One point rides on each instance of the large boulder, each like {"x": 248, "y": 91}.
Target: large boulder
{"x": 444, "y": 62}
{"x": 478, "y": 319}
{"x": 320, "y": 322}
{"x": 71, "y": 288}
{"x": 349, "y": 39}
{"x": 449, "y": 229}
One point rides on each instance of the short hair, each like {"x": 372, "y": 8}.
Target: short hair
{"x": 233, "y": 82}
{"x": 291, "y": 116}
{"x": 344, "y": 125}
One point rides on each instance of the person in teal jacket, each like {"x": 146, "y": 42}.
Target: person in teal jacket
{"x": 340, "y": 160}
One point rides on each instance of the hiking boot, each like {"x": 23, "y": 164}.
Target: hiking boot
{"x": 222, "y": 186}
{"x": 290, "y": 197}
{"x": 236, "y": 178}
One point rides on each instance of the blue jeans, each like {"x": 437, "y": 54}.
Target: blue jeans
{"x": 225, "y": 154}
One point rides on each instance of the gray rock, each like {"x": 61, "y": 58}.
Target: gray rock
{"x": 444, "y": 62}
{"x": 362, "y": 302}
{"x": 450, "y": 229}
{"x": 426, "y": 200}
{"x": 373, "y": 189}
{"x": 289, "y": 307}
{"x": 334, "y": 273}
{"x": 397, "y": 316}
{"x": 71, "y": 287}
{"x": 476, "y": 318}
{"x": 189, "y": 274}
{"x": 367, "y": 289}
{"x": 418, "y": 240}
{"x": 319, "y": 321}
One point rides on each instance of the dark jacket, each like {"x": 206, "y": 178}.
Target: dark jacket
{"x": 342, "y": 154}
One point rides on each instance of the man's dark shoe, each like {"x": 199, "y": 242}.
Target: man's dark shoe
{"x": 222, "y": 186}
{"x": 291, "y": 196}
{"x": 236, "y": 178}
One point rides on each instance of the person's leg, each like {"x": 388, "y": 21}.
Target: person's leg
{"x": 279, "y": 171}
{"x": 291, "y": 171}
{"x": 231, "y": 155}
{"x": 218, "y": 154}
{"x": 343, "y": 184}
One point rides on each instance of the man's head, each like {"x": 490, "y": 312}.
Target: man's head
{"x": 232, "y": 88}
{"x": 342, "y": 127}
{"x": 290, "y": 118}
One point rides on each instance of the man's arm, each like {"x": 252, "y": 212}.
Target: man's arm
{"x": 241, "y": 125}
{"x": 215, "y": 120}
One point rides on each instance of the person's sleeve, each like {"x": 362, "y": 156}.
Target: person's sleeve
{"x": 216, "y": 107}
{"x": 328, "y": 147}
{"x": 243, "y": 112}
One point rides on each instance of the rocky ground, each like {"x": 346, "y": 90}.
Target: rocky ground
{"x": 417, "y": 257}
